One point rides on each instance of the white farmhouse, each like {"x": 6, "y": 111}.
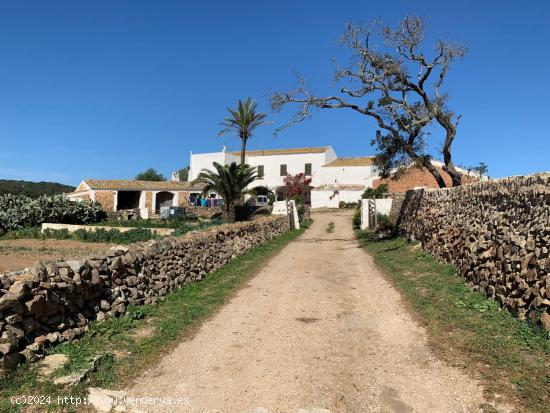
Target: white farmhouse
{"x": 333, "y": 179}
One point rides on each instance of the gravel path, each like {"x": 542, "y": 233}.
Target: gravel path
{"x": 317, "y": 328}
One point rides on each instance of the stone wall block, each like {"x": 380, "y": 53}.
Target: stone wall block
{"x": 497, "y": 234}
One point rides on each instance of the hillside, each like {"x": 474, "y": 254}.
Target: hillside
{"x": 32, "y": 189}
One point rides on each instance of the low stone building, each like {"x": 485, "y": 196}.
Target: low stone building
{"x": 414, "y": 177}
{"x": 121, "y": 194}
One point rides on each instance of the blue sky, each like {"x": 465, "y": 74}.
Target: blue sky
{"x": 105, "y": 89}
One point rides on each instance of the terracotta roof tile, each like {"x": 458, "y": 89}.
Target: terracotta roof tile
{"x": 289, "y": 151}
{"x": 340, "y": 187}
{"x": 132, "y": 185}
{"x": 356, "y": 161}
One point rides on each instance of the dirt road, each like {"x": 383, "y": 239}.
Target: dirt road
{"x": 318, "y": 328}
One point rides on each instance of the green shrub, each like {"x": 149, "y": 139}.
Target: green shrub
{"x": 55, "y": 233}
{"x": 114, "y": 235}
{"x": 383, "y": 219}
{"x": 356, "y": 221}
{"x": 150, "y": 223}
{"x": 32, "y": 232}
{"x": 303, "y": 212}
{"x": 375, "y": 193}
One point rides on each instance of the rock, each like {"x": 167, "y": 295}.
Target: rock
{"x": 119, "y": 248}
{"x": 34, "y": 347}
{"x": 545, "y": 320}
{"x": 76, "y": 266}
{"x": 104, "y": 305}
{"x": 116, "y": 264}
{"x": 69, "y": 335}
{"x": 5, "y": 282}
{"x": 96, "y": 279}
{"x": 37, "y": 305}
{"x": 54, "y": 337}
{"x": 41, "y": 340}
{"x": 20, "y": 289}
{"x": 104, "y": 400}
{"x": 13, "y": 318}
{"x": 52, "y": 363}
{"x": 16, "y": 330}
{"x": 11, "y": 361}
{"x": 8, "y": 300}
{"x": 71, "y": 379}
{"x": 29, "y": 355}
{"x": 7, "y": 347}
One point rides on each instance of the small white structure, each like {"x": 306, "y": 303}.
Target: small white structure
{"x": 330, "y": 196}
{"x": 381, "y": 206}
{"x": 287, "y": 208}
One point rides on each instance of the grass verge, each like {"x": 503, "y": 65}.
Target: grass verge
{"x": 131, "y": 343}
{"x": 511, "y": 357}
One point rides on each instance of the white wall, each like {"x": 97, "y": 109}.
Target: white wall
{"x": 355, "y": 175}
{"x": 280, "y": 208}
{"x": 272, "y": 165}
{"x": 346, "y": 175}
{"x": 201, "y": 161}
{"x": 383, "y": 206}
{"x": 295, "y": 164}
{"x": 321, "y": 198}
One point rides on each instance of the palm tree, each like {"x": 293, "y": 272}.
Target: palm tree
{"x": 230, "y": 182}
{"x": 243, "y": 121}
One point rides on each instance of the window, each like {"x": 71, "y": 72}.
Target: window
{"x": 283, "y": 170}
{"x": 307, "y": 171}
{"x": 260, "y": 171}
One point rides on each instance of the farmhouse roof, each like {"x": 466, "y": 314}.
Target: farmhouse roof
{"x": 288, "y": 151}
{"x": 354, "y": 161}
{"x": 133, "y": 185}
{"x": 340, "y": 187}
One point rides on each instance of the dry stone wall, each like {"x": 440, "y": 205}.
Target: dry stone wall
{"x": 56, "y": 302}
{"x": 496, "y": 233}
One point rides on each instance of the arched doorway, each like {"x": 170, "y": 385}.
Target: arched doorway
{"x": 307, "y": 195}
{"x": 164, "y": 199}
{"x": 281, "y": 193}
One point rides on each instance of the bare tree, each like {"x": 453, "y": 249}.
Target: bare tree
{"x": 398, "y": 86}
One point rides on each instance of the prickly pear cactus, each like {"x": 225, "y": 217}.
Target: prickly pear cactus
{"x": 18, "y": 211}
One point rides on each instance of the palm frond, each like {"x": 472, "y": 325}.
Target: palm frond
{"x": 229, "y": 181}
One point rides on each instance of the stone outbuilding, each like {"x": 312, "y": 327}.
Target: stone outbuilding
{"x": 120, "y": 194}
{"x": 414, "y": 177}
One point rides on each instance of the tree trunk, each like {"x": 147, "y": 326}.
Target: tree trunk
{"x": 229, "y": 213}
{"x": 450, "y": 128}
{"x": 435, "y": 173}
{"x": 429, "y": 166}
{"x": 243, "y": 150}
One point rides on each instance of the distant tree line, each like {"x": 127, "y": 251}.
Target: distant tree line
{"x": 152, "y": 174}
{"x": 32, "y": 189}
